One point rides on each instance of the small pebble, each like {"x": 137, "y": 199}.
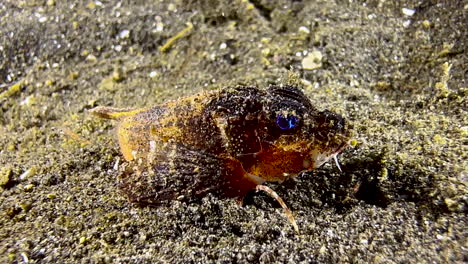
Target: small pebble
{"x": 153, "y": 74}
{"x": 28, "y": 173}
{"x": 124, "y": 34}
{"x": 304, "y": 30}
{"x": 312, "y": 61}
{"x": 407, "y": 11}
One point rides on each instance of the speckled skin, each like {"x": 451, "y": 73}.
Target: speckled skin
{"x": 225, "y": 142}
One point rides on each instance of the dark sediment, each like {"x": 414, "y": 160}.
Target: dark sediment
{"x": 400, "y": 78}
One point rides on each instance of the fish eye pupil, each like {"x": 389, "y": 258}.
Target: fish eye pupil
{"x": 286, "y": 122}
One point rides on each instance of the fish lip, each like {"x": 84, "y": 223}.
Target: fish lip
{"x": 328, "y": 156}
{"x": 341, "y": 148}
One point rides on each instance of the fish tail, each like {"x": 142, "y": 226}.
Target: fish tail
{"x": 113, "y": 113}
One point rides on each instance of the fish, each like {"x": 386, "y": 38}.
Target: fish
{"x": 225, "y": 142}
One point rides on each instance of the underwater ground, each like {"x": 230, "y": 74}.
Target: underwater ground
{"x": 397, "y": 70}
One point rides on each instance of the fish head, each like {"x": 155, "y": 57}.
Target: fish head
{"x": 296, "y": 136}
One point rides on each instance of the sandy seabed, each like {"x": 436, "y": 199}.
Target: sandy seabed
{"x": 396, "y": 69}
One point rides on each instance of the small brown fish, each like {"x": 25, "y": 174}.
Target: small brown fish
{"x": 225, "y": 142}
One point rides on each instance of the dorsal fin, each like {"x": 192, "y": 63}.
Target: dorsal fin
{"x": 292, "y": 93}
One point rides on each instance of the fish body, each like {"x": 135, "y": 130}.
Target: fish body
{"x": 224, "y": 142}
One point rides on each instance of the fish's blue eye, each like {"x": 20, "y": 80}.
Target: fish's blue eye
{"x": 286, "y": 122}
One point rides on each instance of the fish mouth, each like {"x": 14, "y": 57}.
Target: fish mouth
{"x": 341, "y": 147}
{"x": 318, "y": 157}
